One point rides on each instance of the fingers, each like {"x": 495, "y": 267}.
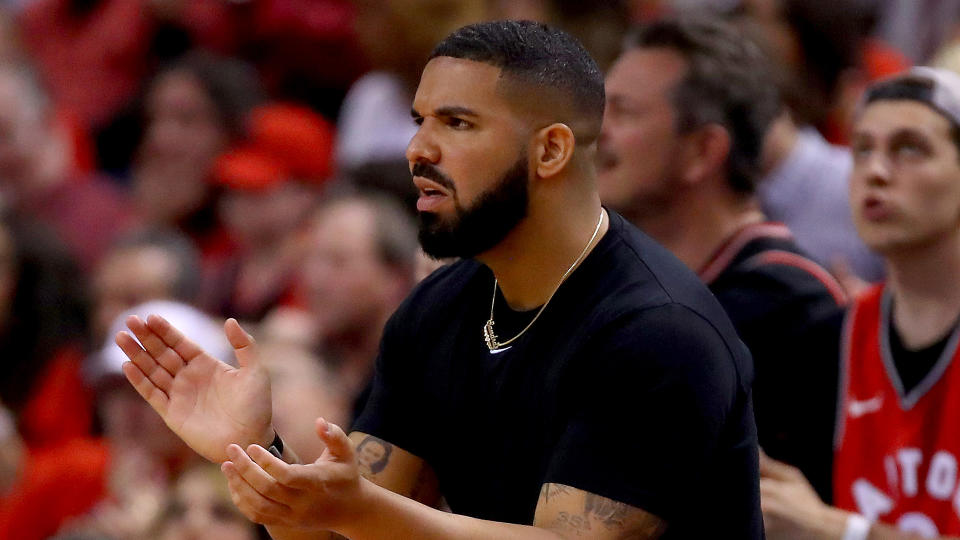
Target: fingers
{"x": 255, "y": 506}
{"x": 338, "y": 444}
{"x": 243, "y": 343}
{"x": 187, "y": 350}
{"x": 264, "y": 482}
{"x": 145, "y": 363}
{"x": 156, "y": 397}
{"x": 161, "y": 353}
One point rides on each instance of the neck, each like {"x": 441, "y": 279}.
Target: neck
{"x": 923, "y": 281}
{"x": 778, "y": 143}
{"x": 531, "y": 261}
{"x": 693, "y": 229}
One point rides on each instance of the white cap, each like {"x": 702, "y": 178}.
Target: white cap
{"x": 196, "y": 325}
{"x": 940, "y": 89}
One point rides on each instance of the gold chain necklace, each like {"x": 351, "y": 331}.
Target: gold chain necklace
{"x": 490, "y": 337}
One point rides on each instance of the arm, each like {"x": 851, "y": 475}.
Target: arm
{"x": 791, "y": 509}
{"x": 333, "y": 494}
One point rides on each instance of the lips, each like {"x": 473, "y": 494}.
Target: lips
{"x": 876, "y": 209}
{"x": 432, "y": 194}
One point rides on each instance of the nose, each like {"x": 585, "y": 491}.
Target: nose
{"x": 875, "y": 169}
{"x": 422, "y": 147}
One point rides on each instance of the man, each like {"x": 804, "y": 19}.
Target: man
{"x": 896, "y": 438}
{"x": 506, "y": 381}
{"x": 689, "y": 101}
{"x": 359, "y": 266}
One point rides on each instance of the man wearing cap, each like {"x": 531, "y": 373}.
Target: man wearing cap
{"x": 898, "y": 416}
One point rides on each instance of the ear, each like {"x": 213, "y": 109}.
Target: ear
{"x": 705, "y": 152}
{"x": 552, "y": 149}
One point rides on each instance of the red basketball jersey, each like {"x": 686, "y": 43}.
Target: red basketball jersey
{"x": 896, "y": 452}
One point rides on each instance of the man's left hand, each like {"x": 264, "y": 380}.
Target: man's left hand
{"x": 320, "y": 496}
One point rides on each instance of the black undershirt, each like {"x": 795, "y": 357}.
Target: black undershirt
{"x": 914, "y": 364}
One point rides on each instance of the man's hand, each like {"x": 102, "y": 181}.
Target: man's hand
{"x": 206, "y": 402}
{"x": 321, "y": 495}
{"x": 791, "y": 508}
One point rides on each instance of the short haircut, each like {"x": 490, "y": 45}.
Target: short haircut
{"x": 728, "y": 82}
{"x": 534, "y": 54}
{"x": 911, "y": 89}
{"x": 186, "y": 284}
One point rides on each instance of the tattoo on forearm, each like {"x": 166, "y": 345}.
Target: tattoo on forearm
{"x": 574, "y": 523}
{"x": 551, "y": 491}
{"x": 610, "y": 513}
{"x": 373, "y": 454}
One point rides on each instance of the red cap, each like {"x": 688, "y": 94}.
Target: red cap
{"x": 285, "y": 142}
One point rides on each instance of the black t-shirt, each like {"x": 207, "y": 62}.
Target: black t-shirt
{"x": 632, "y": 385}
{"x": 779, "y": 302}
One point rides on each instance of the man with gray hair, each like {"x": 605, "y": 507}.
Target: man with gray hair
{"x": 688, "y": 104}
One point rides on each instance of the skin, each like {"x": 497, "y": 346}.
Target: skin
{"x": 905, "y": 197}
{"x": 224, "y": 413}
{"x": 671, "y": 184}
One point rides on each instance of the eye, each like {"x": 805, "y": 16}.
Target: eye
{"x": 458, "y": 123}
{"x": 909, "y": 149}
{"x": 418, "y": 120}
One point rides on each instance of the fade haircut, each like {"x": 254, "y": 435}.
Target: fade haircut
{"x": 543, "y": 58}
{"x": 728, "y": 81}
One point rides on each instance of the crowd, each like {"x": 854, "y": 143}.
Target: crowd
{"x": 205, "y": 160}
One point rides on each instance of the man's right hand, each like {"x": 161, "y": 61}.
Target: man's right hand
{"x": 206, "y": 402}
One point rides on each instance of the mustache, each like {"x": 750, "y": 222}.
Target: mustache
{"x": 430, "y": 172}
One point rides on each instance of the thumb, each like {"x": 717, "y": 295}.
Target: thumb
{"x": 243, "y": 343}
{"x": 338, "y": 444}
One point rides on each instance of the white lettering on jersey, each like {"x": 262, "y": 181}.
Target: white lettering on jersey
{"x": 942, "y": 477}
{"x": 919, "y": 524}
{"x": 860, "y": 407}
{"x": 871, "y": 502}
{"x": 909, "y": 459}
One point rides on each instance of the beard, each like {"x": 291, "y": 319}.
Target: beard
{"x": 478, "y": 228}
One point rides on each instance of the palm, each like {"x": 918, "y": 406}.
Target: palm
{"x": 204, "y": 401}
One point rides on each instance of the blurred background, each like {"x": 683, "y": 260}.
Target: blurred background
{"x": 205, "y": 159}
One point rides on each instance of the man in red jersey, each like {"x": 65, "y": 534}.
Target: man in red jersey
{"x": 897, "y": 437}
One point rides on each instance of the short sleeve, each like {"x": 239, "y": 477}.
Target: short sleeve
{"x": 658, "y": 413}
{"x": 394, "y": 410}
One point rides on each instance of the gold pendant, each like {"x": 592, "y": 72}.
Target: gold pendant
{"x": 490, "y": 336}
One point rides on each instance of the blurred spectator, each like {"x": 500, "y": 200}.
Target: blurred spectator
{"x": 397, "y": 36}
{"x": 42, "y": 327}
{"x": 359, "y": 266}
{"x": 918, "y": 28}
{"x": 805, "y": 177}
{"x": 143, "y": 265}
{"x": 271, "y": 184}
{"x": 144, "y": 455}
{"x": 199, "y": 508}
{"x": 36, "y": 175}
{"x": 303, "y": 389}
{"x": 688, "y": 104}
{"x": 599, "y": 25}
{"x": 92, "y": 53}
{"x": 194, "y": 110}
{"x": 896, "y": 440}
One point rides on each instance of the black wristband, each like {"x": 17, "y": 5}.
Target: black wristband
{"x": 276, "y": 447}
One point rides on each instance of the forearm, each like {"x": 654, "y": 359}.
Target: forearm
{"x": 387, "y": 515}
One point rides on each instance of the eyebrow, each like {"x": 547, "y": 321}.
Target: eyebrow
{"x": 449, "y": 110}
